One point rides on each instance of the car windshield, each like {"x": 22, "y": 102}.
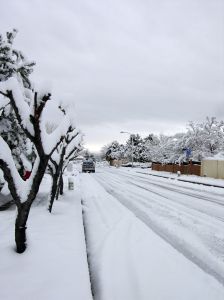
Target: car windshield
{"x": 88, "y": 162}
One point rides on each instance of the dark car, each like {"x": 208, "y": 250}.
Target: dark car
{"x": 88, "y": 165}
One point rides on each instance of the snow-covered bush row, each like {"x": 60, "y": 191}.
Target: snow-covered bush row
{"x": 30, "y": 134}
{"x": 204, "y": 139}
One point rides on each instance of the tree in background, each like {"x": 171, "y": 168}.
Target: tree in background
{"x": 113, "y": 151}
{"x": 134, "y": 145}
{"x": 201, "y": 139}
{"x": 205, "y": 138}
{"x": 149, "y": 148}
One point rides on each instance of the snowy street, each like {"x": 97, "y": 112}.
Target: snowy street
{"x": 188, "y": 217}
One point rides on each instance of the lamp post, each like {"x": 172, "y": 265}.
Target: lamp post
{"x": 131, "y": 135}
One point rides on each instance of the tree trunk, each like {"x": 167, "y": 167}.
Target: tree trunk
{"x": 20, "y": 227}
{"x": 56, "y": 180}
{"x": 61, "y": 186}
{"x": 53, "y": 191}
{"x": 23, "y": 208}
{"x": 57, "y": 193}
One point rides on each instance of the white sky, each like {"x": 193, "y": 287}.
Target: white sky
{"x": 133, "y": 65}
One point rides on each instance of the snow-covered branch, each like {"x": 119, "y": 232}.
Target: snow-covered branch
{"x": 12, "y": 90}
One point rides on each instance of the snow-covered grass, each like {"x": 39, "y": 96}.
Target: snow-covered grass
{"x": 129, "y": 261}
{"x": 54, "y": 266}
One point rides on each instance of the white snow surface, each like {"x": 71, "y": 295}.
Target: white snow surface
{"x": 190, "y": 178}
{"x": 127, "y": 259}
{"x": 54, "y": 266}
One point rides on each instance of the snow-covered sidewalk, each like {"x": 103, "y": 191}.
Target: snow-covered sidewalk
{"x": 129, "y": 261}
{"x": 54, "y": 266}
{"x": 186, "y": 178}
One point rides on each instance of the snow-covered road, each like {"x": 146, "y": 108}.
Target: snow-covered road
{"x": 188, "y": 216}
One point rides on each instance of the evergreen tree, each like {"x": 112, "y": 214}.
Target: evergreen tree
{"x": 14, "y": 64}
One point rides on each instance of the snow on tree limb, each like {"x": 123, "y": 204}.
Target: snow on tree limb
{"x": 7, "y": 164}
{"x": 13, "y": 90}
{"x": 51, "y": 140}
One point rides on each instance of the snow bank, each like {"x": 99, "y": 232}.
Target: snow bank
{"x": 129, "y": 261}
{"x": 190, "y": 178}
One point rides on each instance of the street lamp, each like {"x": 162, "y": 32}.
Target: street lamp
{"x": 131, "y": 135}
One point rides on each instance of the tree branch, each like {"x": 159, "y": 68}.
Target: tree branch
{"x": 3, "y": 94}
{"x": 18, "y": 116}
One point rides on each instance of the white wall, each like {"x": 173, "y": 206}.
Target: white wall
{"x": 213, "y": 168}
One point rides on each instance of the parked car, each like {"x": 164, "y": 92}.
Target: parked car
{"x": 88, "y": 165}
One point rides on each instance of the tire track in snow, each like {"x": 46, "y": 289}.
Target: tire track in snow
{"x": 206, "y": 208}
{"x": 179, "y": 244}
{"x": 99, "y": 248}
{"x": 179, "y": 189}
{"x": 175, "y": 211}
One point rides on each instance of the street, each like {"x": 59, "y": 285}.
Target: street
{"x": 187, "y": 216}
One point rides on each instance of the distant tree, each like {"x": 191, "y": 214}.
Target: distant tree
{"x": 205, "y": 138}
{"x": 134, "y": 145}
{"x": 202, "y": 139}
{"x": 149, "y": 148}
{"x": 113, "y": 151}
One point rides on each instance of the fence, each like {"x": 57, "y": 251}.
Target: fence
{"x": 189, "y": 169}
{"x": 213, "y": 168}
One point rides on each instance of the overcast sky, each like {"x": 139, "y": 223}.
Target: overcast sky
{"x": 133, "y": 65}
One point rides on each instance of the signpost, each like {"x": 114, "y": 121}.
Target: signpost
{"x": 188, "y": 153}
